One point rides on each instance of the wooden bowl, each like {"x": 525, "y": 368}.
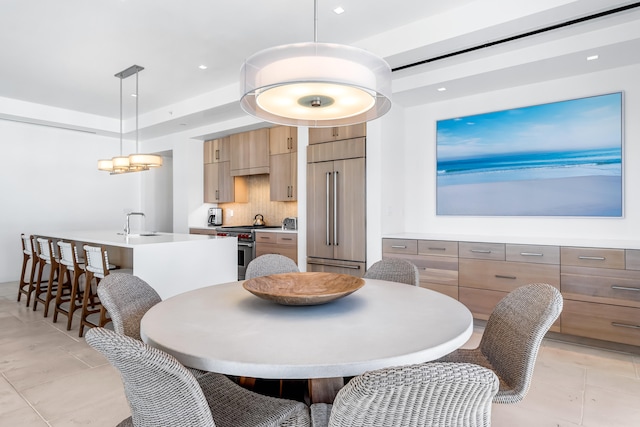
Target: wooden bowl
{"x": 303, "y": 288}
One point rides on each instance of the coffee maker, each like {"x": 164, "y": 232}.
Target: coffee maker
{"x": 215, "y": 217}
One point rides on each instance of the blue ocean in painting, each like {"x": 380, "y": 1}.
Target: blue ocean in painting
{"x": 530, "y": 166}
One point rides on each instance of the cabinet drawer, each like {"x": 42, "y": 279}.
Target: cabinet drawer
{"x": 539, "y": 254}
{"x": 476, "y": 250}
{"x": 433, "y": 269}
{"x": 632, "y": 259}
{"x": 400, "y": 246}
{"x": 272, "y": 248}
{"x": 482, "y": 302}
{"x": 287, "y": 239}
{"x": 438, "y": 248}
{"x": 608, "y": 286}
{"x": 601, "y": 321}
{"x": 506, "y": 276}
{"x": 266, "y": 237}
{"x": 593, "y": 257}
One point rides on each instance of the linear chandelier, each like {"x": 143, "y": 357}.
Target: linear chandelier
{"x": 134, "y": 162}
{"x": 315, "y": 84}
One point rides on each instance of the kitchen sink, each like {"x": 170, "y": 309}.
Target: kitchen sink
{"x": 146, "y": 234}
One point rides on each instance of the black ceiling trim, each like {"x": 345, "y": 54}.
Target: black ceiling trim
{"x": 523, "y": 35}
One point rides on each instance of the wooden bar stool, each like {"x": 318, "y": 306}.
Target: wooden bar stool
{"x": 29, "y": 257}
{"x": 97, "y": 267}
{"x": 47, "y": 255}
{"x": 68, "y": 296}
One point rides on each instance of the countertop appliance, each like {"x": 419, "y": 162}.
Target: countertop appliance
{"x": 290, "y": 223}
{"x": 246, "y": 235}
{"x": 215, "y": 217}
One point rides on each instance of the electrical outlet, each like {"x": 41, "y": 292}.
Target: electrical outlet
{"x": 230, "y": 212}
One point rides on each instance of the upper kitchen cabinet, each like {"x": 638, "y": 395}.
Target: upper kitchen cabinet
{"x": 283, "y": 164}
{"x": 250, "y": 153}
{"x": 217, "y": 150}
{"x": 319, "y": 135}
{"x": 219, "y": 185}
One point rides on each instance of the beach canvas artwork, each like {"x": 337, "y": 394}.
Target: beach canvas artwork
{"x": 557, "y": 159}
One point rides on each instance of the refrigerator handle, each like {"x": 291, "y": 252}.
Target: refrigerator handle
{"x": 328, "y": 209}
{"x": 335, "y": 208}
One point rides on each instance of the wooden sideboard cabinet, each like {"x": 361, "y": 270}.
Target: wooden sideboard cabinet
{"x": 601, "y": 289}
{"x": 489, "y": 271}
{"x": 437, "y": 261}
{"x": 277, "y": 243}
{"x": 600, "y": 286}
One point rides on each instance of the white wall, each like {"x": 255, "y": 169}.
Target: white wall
{"x": 416, "y": 163}
{"x": 49, "y": 181}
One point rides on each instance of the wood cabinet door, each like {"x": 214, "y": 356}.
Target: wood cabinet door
{"x": 221, "y": 151}
{"x": 259, "y": 149}
{"x": 211, "y": 182}
{"x": 283, "y": 139}
{"x": 319, "y": 135}
{"x": 208, "y": 152}
{"x": 240, "y": 144}
{"x": 350, "y": 209}
{"x": 225, "y": 183}
{"x": 279, "y": 177}
{"x": 319, "y": 215}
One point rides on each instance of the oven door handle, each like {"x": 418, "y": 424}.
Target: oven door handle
{"x": 248, "y": 245}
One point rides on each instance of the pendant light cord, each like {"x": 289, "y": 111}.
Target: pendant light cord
{"x": 120, "y": 117}
{"x": 315, "y": 21}
{"x": 137, "y": 150}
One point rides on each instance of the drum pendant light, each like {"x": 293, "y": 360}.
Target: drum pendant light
{"x": 315, "y": 84}
{"x": 135, "y": 162}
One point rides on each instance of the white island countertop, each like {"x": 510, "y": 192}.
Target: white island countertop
{"x": 114, "y": 238}
{"x": 170, "y": 263}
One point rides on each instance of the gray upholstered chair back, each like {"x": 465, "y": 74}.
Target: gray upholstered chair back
{"x": 513, "y": 335}
{"x": 160, "y": 391}
{"x": 265, "y": 265}
{"x": 429, "y": 394}
{"x": 127, "y": 298}
{"x": 394, "y": 270}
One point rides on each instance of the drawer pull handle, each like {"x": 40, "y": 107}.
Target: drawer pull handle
{"x": 481, "y": 251}
{"x": 500, "y": 276}
{"x": 287, "y": 238}
{"x": 531, "y": 254}
{"x": 592, "y": 258}
{"x": 399, "y": 247}
{"x": 624, "y": 288}
{"x": 624, "y": 325}
{"x": 327, "y": 264}
{"x": 437, "y": 249}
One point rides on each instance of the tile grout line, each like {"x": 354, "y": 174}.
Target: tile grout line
{"x": 22, "y": 396}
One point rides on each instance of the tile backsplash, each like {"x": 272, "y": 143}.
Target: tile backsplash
{"x": 259, "y": 203}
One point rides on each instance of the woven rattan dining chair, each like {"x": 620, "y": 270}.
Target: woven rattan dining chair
{"x": 512, "y": 338}
{"x": 428, "y": 394}
{"x": 394, "y": 270}
{"x": 162, "y": 392}
{"x": 267, "y": 264}
{"x": 127, "y": 298}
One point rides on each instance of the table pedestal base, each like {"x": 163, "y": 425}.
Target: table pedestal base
{"x": 324, "y": 390}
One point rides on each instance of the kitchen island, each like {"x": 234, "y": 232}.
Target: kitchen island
{"x": 170, "y": 263}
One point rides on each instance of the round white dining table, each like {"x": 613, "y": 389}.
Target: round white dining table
{"x": 225, "y": 329}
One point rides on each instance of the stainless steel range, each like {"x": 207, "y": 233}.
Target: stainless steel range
{"x": 246, "y": 243}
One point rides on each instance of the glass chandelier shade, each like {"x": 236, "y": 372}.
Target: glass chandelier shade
{"x": 316, "y": 85}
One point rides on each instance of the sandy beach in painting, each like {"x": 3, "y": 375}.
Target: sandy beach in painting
{"x": 574, "y": 196}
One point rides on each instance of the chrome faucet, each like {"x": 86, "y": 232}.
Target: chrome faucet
{"x": 127, "y": 228}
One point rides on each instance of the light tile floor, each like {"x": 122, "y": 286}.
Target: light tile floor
{"x": 50, "y": 377}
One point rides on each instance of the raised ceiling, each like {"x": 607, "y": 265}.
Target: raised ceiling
{"x": 63, "y": 54}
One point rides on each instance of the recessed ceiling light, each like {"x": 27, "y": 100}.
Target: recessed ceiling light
{"x": 592, "y": 57}
{"x": 442, "y": 89}
{"x": 134, "y": 95}
{"x": 338, "y": 10}
{"x": 202, "y": 67}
